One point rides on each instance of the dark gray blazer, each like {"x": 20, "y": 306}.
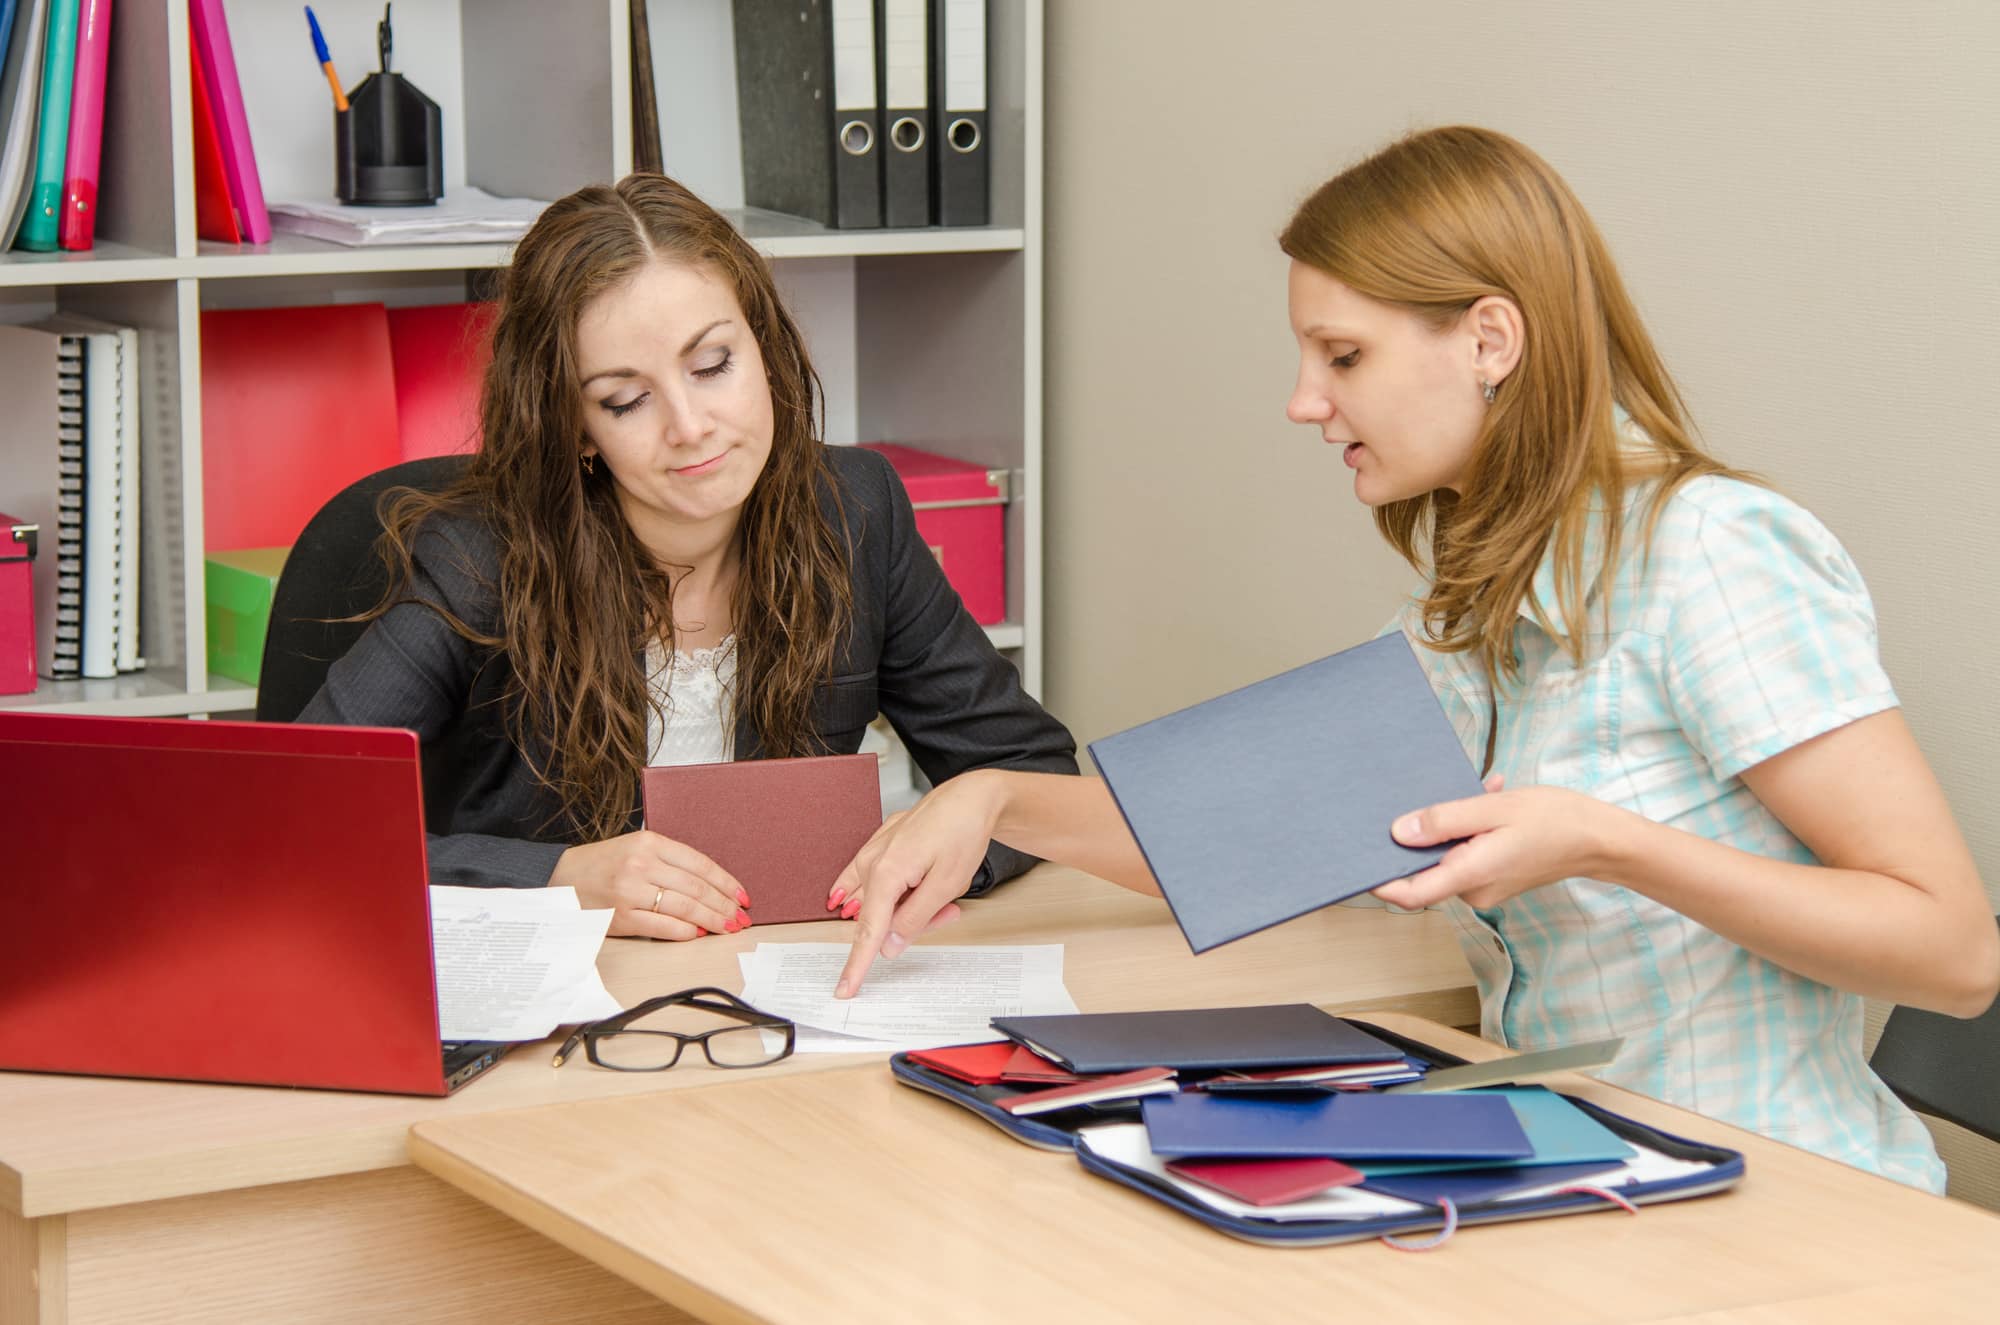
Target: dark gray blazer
{"x": 913, "y": 654}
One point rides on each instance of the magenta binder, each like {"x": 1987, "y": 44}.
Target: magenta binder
{"x": 232, "y": 125}
{"x": 17, "y": 606}
{"x": 76, "y": 227}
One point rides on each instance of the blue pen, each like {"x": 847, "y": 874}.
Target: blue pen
{"x": 326, "y": 61}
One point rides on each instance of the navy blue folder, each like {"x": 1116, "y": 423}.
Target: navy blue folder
{"x": 1273, "y": 1036}
{"x": 1276, "y": 799}
{"x": 1471, "y": 1128}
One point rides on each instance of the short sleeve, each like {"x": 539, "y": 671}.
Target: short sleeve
{"x": 1771, "y": 638}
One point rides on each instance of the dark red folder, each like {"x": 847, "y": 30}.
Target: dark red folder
{"x": 784, "y": 827}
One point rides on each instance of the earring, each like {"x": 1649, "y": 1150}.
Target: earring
{"x": 1488, "y": 390}
{"x": 590, "y": 463}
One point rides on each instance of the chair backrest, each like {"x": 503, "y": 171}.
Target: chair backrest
{"x": 333, "y": 572}
{"x": 1945, "y": 1066}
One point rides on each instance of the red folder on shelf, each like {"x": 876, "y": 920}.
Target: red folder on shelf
{"x": 214, "y": 218}
{"x": 440, "y": 355}
{"x": 210, "y": 29}
{"x": 784, "y": 827}
{"x": 76, "y": 227}
{"x": 296, "y": 403}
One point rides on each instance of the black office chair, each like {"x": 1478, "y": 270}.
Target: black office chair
{"x": 333, "y": 572}
{"x": 1944, "y": 1066}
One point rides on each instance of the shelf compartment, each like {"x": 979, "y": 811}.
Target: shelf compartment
{"x": 157, "y": 693}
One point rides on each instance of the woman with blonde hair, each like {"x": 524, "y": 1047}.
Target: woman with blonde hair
{"x": 653, "y": 559}
{"x": 1708, "y": 828}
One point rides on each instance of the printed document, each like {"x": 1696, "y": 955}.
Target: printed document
{"x": 515, "y": 963}
{"x": 928, "y": 996}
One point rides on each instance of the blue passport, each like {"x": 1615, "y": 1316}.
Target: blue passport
{"x": 1470, "y": 1128}
{"x": 1271, "y": 1036}
{"x": 1276, "y": 799}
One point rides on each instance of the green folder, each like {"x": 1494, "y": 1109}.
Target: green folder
{"x": 38, "y": 227}
{"x": 239, "y": 585}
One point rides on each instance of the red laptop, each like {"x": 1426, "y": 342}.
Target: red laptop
{"x": 219, "y": 901}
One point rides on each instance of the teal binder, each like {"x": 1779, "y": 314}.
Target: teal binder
{"x": 38, "y": 227}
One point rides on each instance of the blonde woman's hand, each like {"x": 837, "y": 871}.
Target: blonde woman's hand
{"x": 907, "y": 878}
{"x": 1513, "y": 841}
{"x": 655, "y": 887}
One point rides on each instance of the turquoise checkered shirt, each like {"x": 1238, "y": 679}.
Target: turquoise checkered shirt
{"x": 1746, "y": 632}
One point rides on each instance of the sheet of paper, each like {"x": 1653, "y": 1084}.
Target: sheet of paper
{"x": 931, "y": 995}
{"x": 812, "y": 1040}
{"x": 513, "y": 964}
{"x": 1646, "y": 1165}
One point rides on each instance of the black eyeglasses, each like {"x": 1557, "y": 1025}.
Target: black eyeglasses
{"x": 645, "y": 1038}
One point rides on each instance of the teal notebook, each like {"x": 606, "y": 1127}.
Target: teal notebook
{"x": 1560, "y": 1132}
{"x": 45, "y": 189}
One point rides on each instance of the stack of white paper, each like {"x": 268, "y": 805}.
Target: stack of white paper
{"x": 465, "y": 215}
{"x": 927, "y": 997}
{"x": 515, "y": 963}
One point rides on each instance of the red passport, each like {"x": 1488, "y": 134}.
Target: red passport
{"x": 1028, "y": 1068}
{"x": 974, "y": 1064}
{"x": 785, "y": 828}
{"x": 1266, "y": 1181}
{"x": 1094, "y": 1090}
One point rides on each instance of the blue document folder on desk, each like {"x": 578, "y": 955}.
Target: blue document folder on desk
{"x": 1463, "y": 1128}
{"x": 1271, "y": 1036}
{"x": 1276, "y": 799}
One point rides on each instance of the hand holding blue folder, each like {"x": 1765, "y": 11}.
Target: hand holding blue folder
{"x": 1277, "y": 799}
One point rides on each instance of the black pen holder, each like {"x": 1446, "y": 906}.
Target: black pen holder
{"x": 388, "y": 145}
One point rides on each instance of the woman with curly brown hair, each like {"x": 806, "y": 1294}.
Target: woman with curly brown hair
{"x": 653, "y": 559}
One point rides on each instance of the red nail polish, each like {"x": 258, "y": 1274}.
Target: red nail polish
{"x": 700, "y": 933}
{"x": 849, "y": 911}
{"x": 743, "y": 918}
{"x": 742, "y": 897}
{"x": 834, "y": 900}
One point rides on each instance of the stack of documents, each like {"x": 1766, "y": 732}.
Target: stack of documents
{"x": 465, "y": 215}
{"x": 928, "y": 996}
{"x": 515, "y": 963}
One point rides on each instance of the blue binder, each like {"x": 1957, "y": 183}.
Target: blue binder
{"x": 1276, "y": 799}
{"x": 1271, "y": 1036}
{"x": 1349, "y": 1127}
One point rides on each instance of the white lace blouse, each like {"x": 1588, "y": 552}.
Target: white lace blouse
{"x": 695, "y": 693}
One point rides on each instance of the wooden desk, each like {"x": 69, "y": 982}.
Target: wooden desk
{"x": 134, "y": 1200}
{"x": 845, "y": 1197}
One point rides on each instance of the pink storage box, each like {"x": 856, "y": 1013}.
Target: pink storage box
{"x": 17, "y": 606}
{"x": 960, "y": 515}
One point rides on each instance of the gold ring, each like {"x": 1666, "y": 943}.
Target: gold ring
{"x": 658, "y": 893}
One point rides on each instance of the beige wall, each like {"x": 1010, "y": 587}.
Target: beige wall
{"x": 1804, "y": 197}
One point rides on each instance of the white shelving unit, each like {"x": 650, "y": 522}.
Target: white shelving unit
{"x": 927, "y": 337}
